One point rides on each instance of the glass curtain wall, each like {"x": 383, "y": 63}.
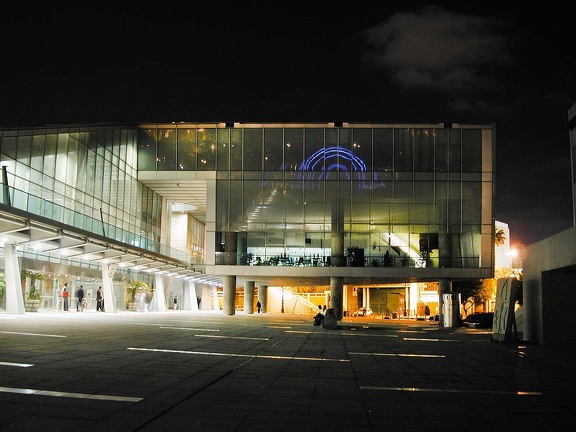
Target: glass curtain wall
{"x": 396, "y": 195}
{"x": 84, "y": 177}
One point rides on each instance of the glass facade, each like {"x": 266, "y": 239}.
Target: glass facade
{"x": 311, "y": 195}
{"x": 85, "y": 178}
{"x": 369, "y": 194}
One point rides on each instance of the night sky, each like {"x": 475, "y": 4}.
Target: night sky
{"x": 408, "y": 62}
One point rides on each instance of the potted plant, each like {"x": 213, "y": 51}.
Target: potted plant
{"x": 137, "y": 294}
{"x": 33, "y": 295}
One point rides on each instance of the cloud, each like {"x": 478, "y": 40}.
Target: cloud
{"x": 478, "y": 106}
{"x": 440, "y": 50}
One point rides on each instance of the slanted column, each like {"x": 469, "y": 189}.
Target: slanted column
{"x": 191, "y": 299}
{"x": 159, "y": 300}
{"x": 108, "y": 287}
{"x": 13, "y": 283}
{"x": 249, "y": 297}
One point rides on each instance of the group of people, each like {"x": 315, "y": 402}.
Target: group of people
{"x": 80, "y": 299}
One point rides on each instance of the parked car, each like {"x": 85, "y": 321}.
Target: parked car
{"x": 479, "y": 320}
{"x": 362, "y": 312}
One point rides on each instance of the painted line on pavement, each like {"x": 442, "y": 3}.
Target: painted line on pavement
{"x": 429, "y": 390}
{"x": 399, "y": 355}
{"x": 187, "y": 328}
{"x": 33, "y": 334}
{"x": 69, "y": 395}
{"x": 256, "y": 356}
{"x": 16, "y": 364}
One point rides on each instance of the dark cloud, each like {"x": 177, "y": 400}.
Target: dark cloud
{"x": 439, "y": 49}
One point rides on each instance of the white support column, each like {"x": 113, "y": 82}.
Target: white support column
{"x": 159, "y": 300}
{"x": 108, "y": 287}
{"x": 13, "y": 283}
{"x": 191, "y": 298}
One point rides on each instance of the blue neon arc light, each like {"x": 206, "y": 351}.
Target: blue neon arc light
{"x": 338, "y": 153}
{"x": 333, "y": 152}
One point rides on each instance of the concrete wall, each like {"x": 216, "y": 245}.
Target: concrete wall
{"x": 548, "y": 289}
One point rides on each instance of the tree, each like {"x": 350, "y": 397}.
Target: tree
{"x": 499, "y": 237}
{"x": 474, "y": 291}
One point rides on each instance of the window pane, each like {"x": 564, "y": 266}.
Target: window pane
{"x": 206, "y": 149}
{"x": 166, "y": 150}
{"x": 187, "y": 149}
{"x": 253, "y": 149}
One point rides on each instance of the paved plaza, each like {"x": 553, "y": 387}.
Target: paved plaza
{"x": 206, "y": 371}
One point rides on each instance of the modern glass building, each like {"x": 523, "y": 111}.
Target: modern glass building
{"x": 334, "y": 207}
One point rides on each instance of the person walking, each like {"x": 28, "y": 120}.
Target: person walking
{"x": 80, "y": 296}
{"x": 259, "y": 306}
{"x": 65, "y": 295}
{"x": 99, "y": 300}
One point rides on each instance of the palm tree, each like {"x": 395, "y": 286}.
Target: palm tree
{"x": 134, "y": 287}
{"x": 33, "y": 293}
{"x": 499, "y": 237}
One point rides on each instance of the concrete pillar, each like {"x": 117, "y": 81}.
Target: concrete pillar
{"x": 12, "y": 281}
{"x": 337, "y": 250}
{"x": 336, "y": 296}
{"x": 263, "y": 297}
{"x": 249, "y": 297}
{"x": 229, "y": 299}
